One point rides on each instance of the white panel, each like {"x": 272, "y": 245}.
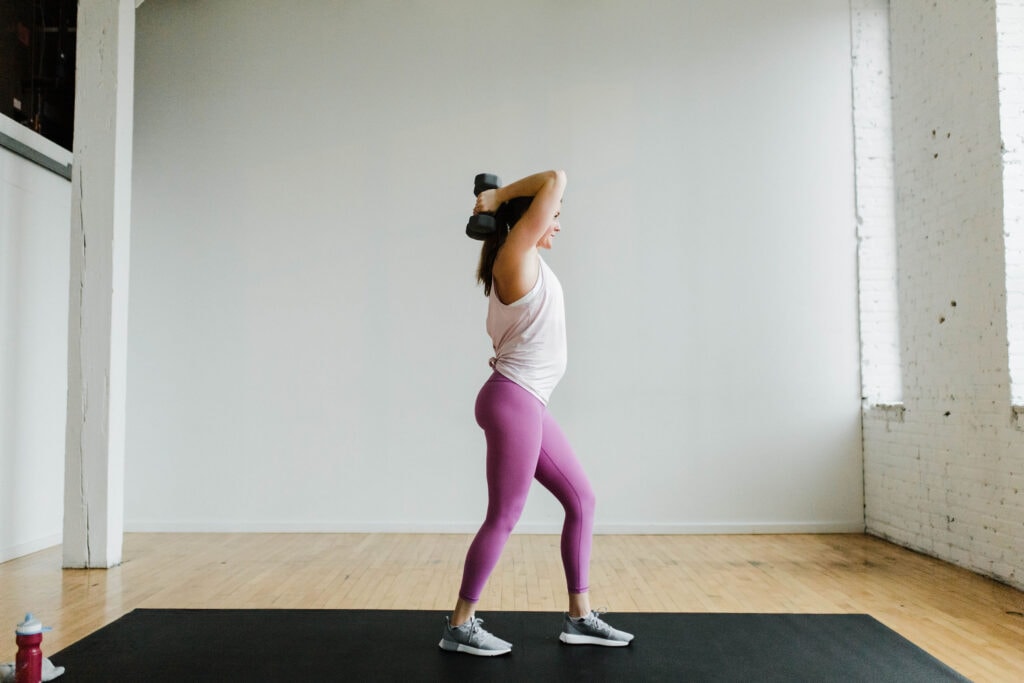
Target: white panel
{"x": 306, "y": 341}
{"x": 35, "y": 206}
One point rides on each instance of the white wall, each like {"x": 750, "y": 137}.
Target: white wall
{"x": 35, "y": 206}
{"x": 946, "y": 475}
{"x": 306, "y": 340}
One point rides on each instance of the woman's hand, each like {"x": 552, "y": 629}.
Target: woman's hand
{"x": 486, "y": 202}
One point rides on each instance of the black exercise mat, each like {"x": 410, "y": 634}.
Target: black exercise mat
{"x": 156, "y": 645}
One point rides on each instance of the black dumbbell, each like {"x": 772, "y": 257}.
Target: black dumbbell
{"x": 482, "y": 225}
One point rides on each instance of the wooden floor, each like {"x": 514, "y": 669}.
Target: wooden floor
{"x": 973, "y": 624}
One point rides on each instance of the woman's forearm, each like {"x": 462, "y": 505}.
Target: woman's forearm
{"x": 526, "y": 187}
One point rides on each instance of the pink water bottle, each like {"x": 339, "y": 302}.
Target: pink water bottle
{"x": 28, "y": 667}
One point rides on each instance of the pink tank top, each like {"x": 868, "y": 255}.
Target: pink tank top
{"x": 529, "y": 335}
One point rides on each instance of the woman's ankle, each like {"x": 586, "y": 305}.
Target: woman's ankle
{"x": 579, "y": 605}
{"x": 463, "y": 612}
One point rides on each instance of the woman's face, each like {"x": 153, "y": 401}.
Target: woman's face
{"x": 553, "y": 229}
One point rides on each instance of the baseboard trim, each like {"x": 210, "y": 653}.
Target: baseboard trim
{"x": 22, "y": 549}
{"x": 192, "y": 526}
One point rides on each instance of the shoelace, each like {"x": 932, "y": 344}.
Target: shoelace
{"x": 475, "y": 628}
{"x": 594, "y": 621}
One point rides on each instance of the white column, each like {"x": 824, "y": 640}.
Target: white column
{"x": 98, "y": 330}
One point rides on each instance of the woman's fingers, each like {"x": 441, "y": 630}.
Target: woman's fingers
{"x": 485, "y": 202}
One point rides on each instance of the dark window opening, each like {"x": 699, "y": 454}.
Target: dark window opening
{"x": 37, "y": 66}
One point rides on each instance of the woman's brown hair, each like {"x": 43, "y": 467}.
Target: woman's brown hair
{"x": 506, "y": 217}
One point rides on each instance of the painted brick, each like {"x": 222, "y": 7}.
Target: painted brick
{"x": 1010, "y": 29}
{"x": 947, "y": 478}
{"x": 880, "y": 352}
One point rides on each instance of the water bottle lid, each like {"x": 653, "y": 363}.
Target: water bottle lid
{"x": 30, "y": 627}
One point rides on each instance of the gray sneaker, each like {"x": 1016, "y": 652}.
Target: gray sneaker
{"x": 471, "y": 638}
{"x": 590, "y": 630}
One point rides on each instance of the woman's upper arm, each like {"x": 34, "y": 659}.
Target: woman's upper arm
{"x": 541, "y": 214}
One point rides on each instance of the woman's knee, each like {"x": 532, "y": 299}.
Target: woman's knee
{"x": 504, "y": 519}
{"x": 588, "y": 501}
{"x": 582, "y": 504}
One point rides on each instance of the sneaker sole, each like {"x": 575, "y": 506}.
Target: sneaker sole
{"x": 572, "y": 639}
{"x": 468, "y": 649}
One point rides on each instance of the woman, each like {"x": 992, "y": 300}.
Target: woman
{"x": 526, "y": 322}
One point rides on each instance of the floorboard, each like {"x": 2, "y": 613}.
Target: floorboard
{"x": 972, "y": 623}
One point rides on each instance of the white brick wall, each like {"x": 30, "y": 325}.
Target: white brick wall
{"x": 1010, "y": 30}
{"x": 946, "y": 476}
{"x": 872, "y": 125}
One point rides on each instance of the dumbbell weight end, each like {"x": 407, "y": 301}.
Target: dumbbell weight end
{"x": 481, "y": 226}
{"x": 485, "y": 181}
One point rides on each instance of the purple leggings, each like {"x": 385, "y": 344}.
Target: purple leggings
{"x": 524, "y": 442}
